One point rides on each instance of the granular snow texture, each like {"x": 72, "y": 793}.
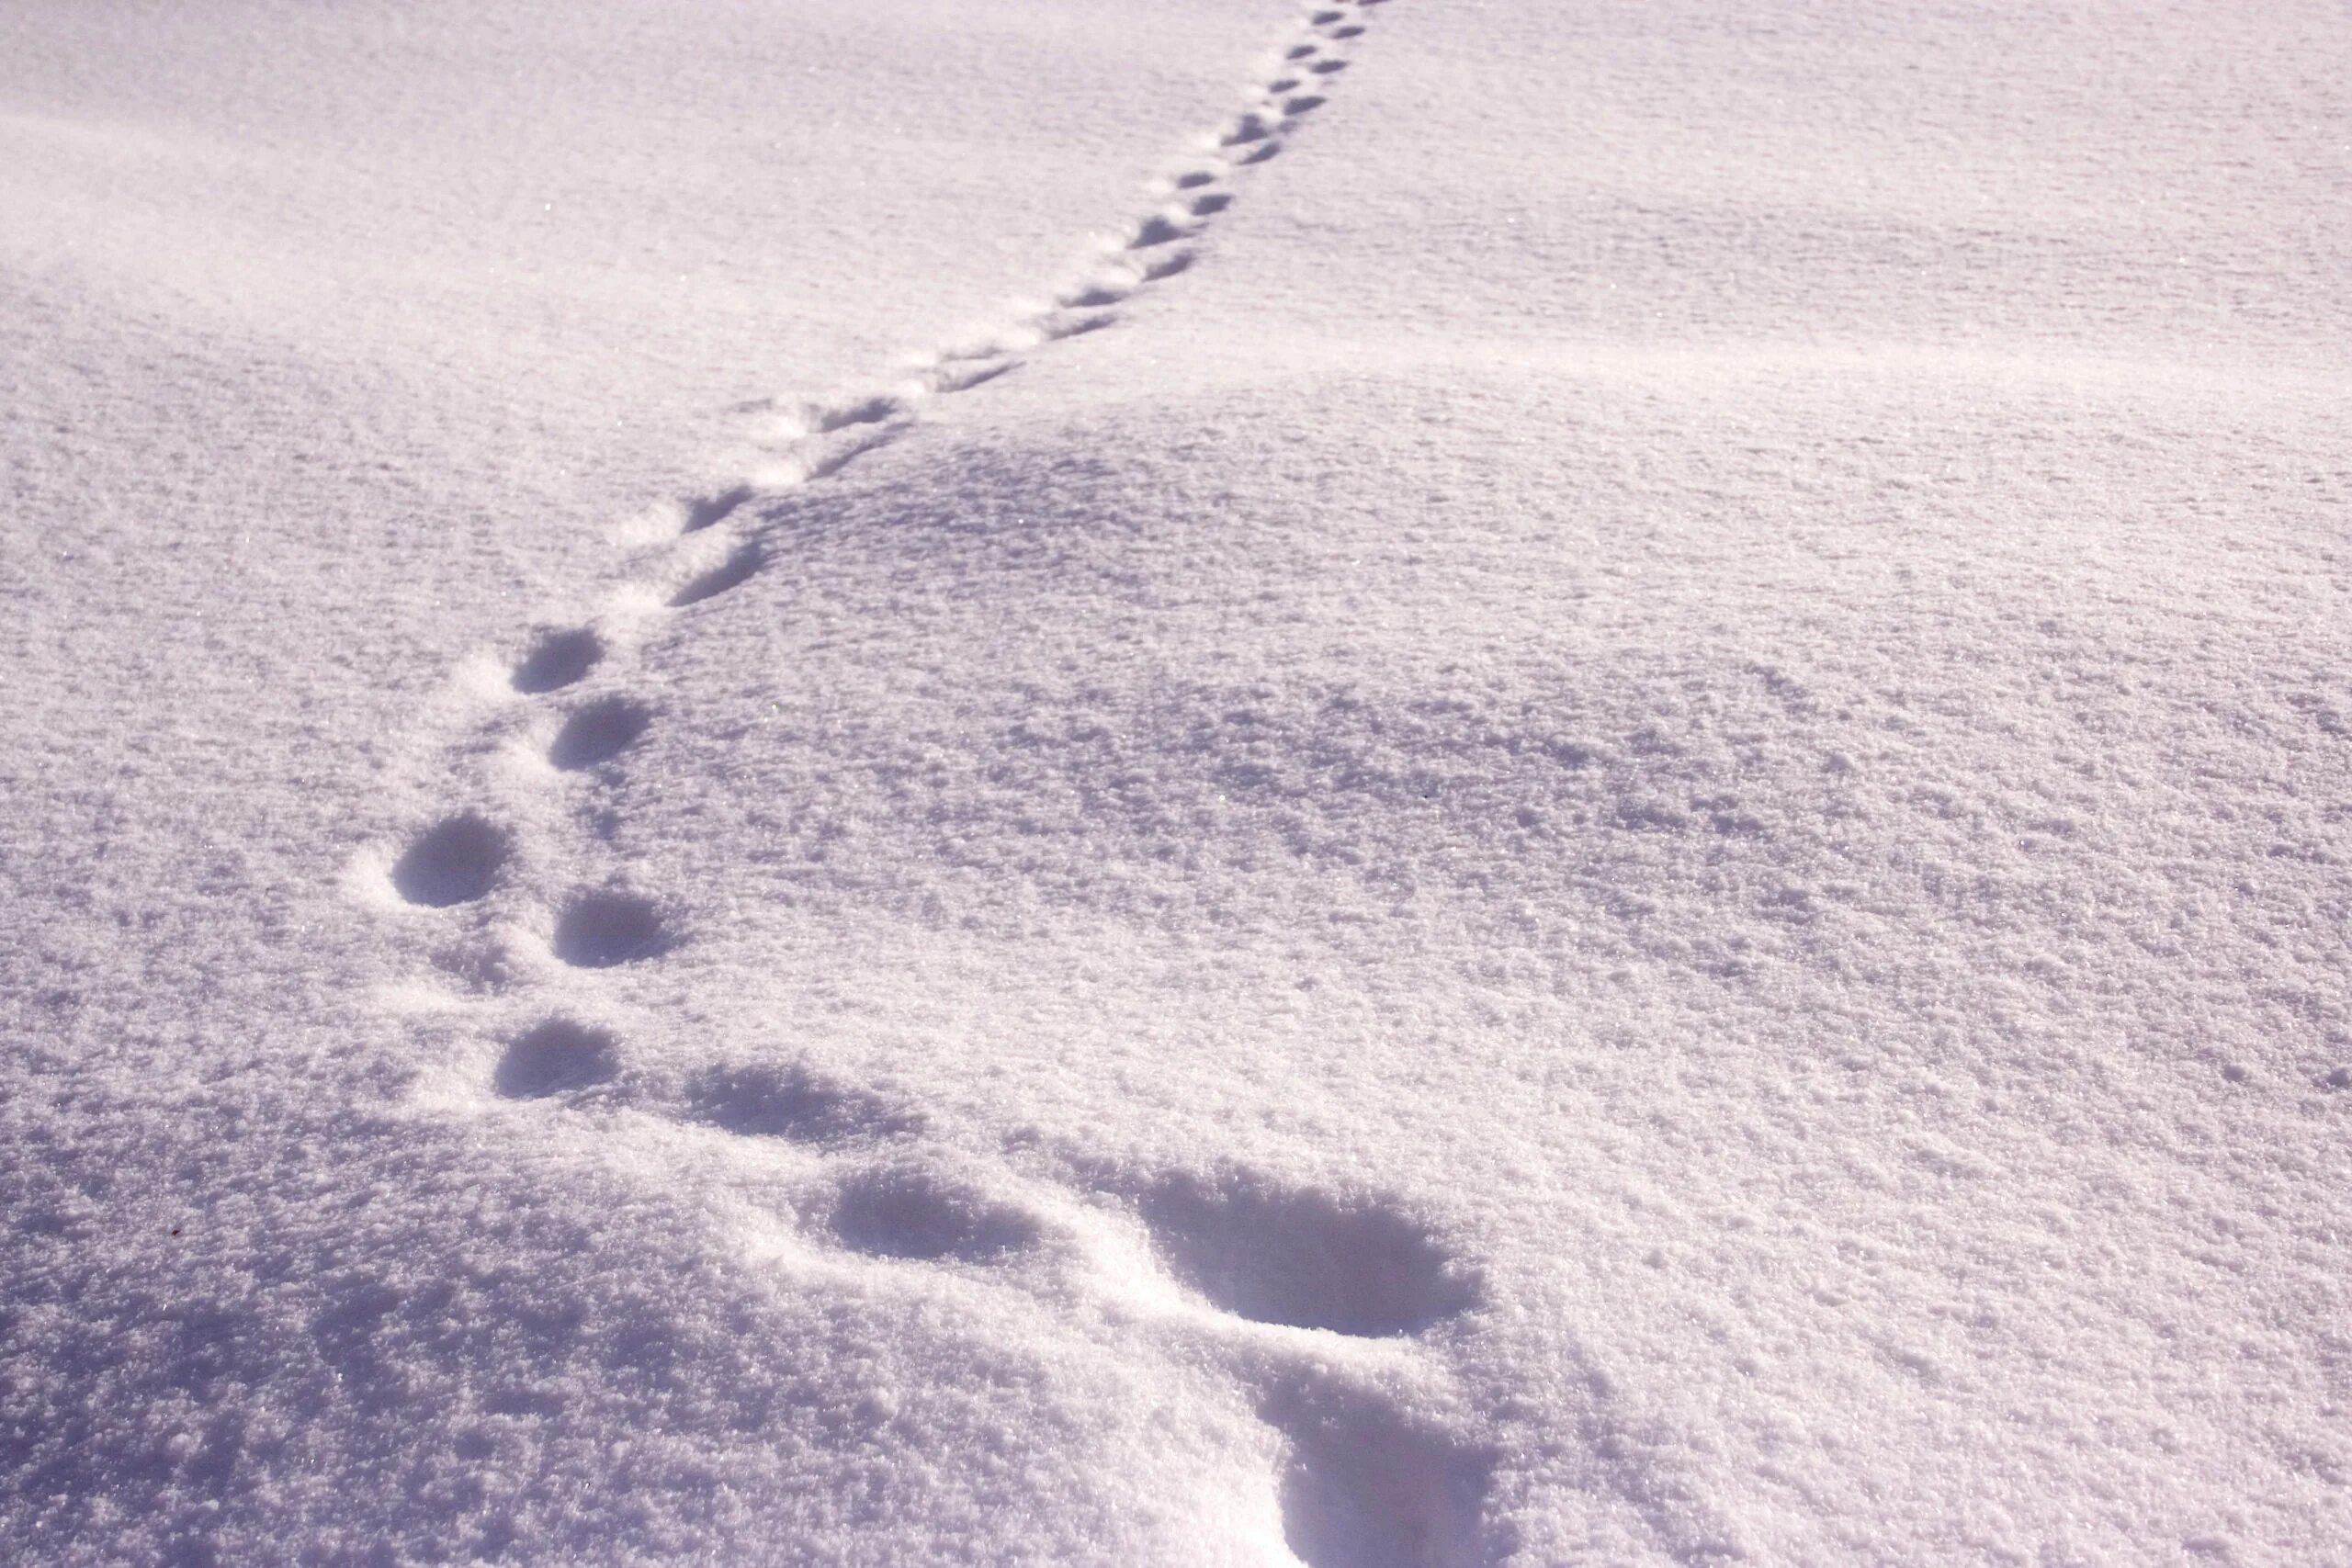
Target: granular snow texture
{"x": 1582, "y": 797}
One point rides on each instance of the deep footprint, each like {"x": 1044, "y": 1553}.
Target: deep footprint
{"x": 1304, "y": 1258}
{"x": 556, "y": 1057}
{"x": 1368, "y": 1486}
{"x": 599, "y": 732}
{"x": 455, "y": 860}
{"x": 557, "y": 661}
{"x": 598, "y": 930}
{"x": 793, "y": 1103}
{"x": 905, "y": 1211}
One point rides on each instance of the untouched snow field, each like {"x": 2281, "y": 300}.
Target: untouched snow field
{"x": 1431, "y": 782}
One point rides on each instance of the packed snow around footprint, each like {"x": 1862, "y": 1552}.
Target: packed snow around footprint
{"x": 1413, "y": 784}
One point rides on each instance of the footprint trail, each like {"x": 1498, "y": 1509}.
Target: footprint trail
{"x": 1325, "y": 1312}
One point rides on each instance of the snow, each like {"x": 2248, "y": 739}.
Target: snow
{"x": 1419, "y": 782}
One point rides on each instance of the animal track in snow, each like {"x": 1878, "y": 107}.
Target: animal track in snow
{"x": 1298, "y": 1281}
{"x": 1304, "y": 1259}
{"x": 735, "y": 570}
{"x": 796, "y": 1104}
{"x": 600, "y": 930}
{"x": 963, "y": 380}
{"x": 557, "y": 661}
{"x": 1368, "y": 1486}
{"x": 716, "y": 509}
{"x": 556, "y": 1057}
{"x": 1366, "y": 1481}
{"x": 599, "y": 732}
{"x": 910, "y": 1212}
{"x": 455, "y": 860}
{"x": 864, "y": 410}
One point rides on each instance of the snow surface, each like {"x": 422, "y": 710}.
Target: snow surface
{"x": 1422, "y": 783}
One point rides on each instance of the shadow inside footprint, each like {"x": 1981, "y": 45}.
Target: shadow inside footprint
{"x": 791, "y": 1102}
{"x": 1249, "y": 130}
{"x": 864, "y": 410}
{"x": 1370, "y": 1486}
{"x": 554, "y": 1056}
{"x": 597, "y": 931}
{"x": 907, "y": 1212}
{"x": 734, "y": 570}
{"x": 713, "y": 509}
{"x": 557, "y": 661}
{"x": 1154, "y": 231}
{"x": 598, "y": 732}
{"x": 453, "y": 862}
{"x": 1304, "y": 1258}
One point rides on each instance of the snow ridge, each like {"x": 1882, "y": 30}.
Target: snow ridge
{"x": 1319, "y": 1307}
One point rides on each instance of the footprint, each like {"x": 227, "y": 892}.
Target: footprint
{"x": 1056, "y": 329}
{"x": 793, "y": 1103}
{"x": 1369, "y": 1485}
{"x": 867, "y": 410}
{"x": 717, "y": 508}
{"x": 842, "y": 455}
{"x": 454, "y": 862}
{"x": 1167, "y": 266}
{"x": 598, "y": 930}
{"x": 599, "y": 732}
{"x": 1347, "y": 32}
{"x": 1328, "y": 67}
{"x": 557, "y": 661}
{"x": 731, "y": 572}
{"x": 1304, "y": 1258}
{"x": 1210, "y": 206}
{"x": 965, "y": 380}
{"x": 1299, "y": 51}
{"x": 908, "y": 1212}
{"x": 1194, "y": 179}
{"x": 1299, "y": 106}
{"x": 1093, "y": 296}
{"x": 555, "y": 1056}
{"x": 1246, "y": 131}
{"x": 1157, "y": 230}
